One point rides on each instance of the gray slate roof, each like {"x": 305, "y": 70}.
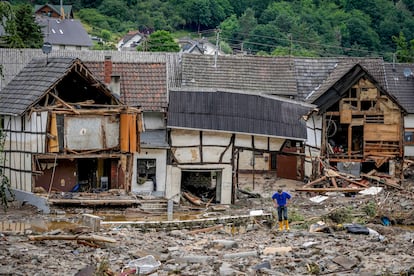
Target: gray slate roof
{"x": 34, "y": 81}
{"x": 64, "y": 32}
{"x": 400, "y": 86}
{"x": 314, "y": 73}
{"x": 237, "y": 112}
{"x": 268, "y": 75}
{"x": 14, "y": 60}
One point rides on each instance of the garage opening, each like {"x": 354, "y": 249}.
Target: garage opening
{"x": 205, "y": 184}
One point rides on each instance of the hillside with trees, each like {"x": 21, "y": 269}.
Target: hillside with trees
{"x": 298, "y": 27}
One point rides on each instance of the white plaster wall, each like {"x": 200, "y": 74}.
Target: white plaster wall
{"x": 409, "y": 151}
{"x": 68, "y": 48}
{"x": 180, "y": 138}
{"x": 409, "y": 123}
{"x": 212, "y": 154}
{"x": 38, "y": 124}
{"x": 187, "y": 155}
{"x": 246, "y": 159}
{"x": 160, "y": 155}
{"x": 20, "y": 158}
{"x": 216, "y": 138}
{"x": 276, "y": 144}
{"x": 313, "y": 142}
{"x": 187, "y": 146}
{"x": 244, "y": 141}
{"x": 173, "y": 183}
{"x": 153, "y": 120}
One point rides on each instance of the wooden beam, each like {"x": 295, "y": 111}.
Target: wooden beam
{"x": 324, "y": 190}
{"x": 64, "y": 103}
{"x": 90, "y": 238}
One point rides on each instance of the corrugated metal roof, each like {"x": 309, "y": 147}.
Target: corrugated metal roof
{"x": 399, "y": 85}
{"x": 237, "y": 112}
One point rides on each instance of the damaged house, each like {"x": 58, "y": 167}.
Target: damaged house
{"x": 65, "y": 130}
{"x": 358, "y": 126}
{"x": 209, "y": 129}
{"x": 141, "y": 84}
{"x": 273, "y": 76}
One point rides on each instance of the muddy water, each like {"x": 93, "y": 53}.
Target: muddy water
{"x": 37, "y": 226}
{"x": 67, "y": 222}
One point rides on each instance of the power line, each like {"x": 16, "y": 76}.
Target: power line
{"x": 321, "y": 49}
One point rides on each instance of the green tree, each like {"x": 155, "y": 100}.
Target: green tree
{"x": 159, "y": 41}
{"x": 26, "y": 27}
{"x": 265, "y": 38}
{"x": 247, "y": 23}
{"x": 5, "y": 189}
{"x": 359, "y": 34}
{"x": 405, "y": 50}
{"x": 229, "y": 29}
{"x": 116, "y": 9}
{"x": 197, "y": 12}
{"x": 10, "y": 39}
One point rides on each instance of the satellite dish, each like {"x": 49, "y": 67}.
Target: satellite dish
{"x": 407, "y": 72}
{"x": 46, "y": 48}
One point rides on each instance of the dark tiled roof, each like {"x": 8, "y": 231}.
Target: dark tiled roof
{"x": 142, "y": 84}
{"x": 315, "y": 75}
{"x": 237, "y": 112}
{"x": 31, "y": 83}
{"x": 64, "y": 32}
{"x": 67, "y": 9}
{"x": 340, "y": 81}
{"x": 267, "y": 75}
{"x": 39, "y": 77}
{"x": 399, "y": 85}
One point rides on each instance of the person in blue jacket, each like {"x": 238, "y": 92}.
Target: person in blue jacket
{"x": 281, "y": 201}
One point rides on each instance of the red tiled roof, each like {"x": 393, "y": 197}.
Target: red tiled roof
{"x": 142, "y": 84}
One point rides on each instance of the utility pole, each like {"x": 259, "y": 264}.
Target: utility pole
{"x": 217, "y": 46}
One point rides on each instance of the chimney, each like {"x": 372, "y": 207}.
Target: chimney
{"x": 115, "y": 85}
{"x": 107, "y": 70}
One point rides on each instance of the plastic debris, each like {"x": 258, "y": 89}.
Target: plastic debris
{"x": 144, "y": 265}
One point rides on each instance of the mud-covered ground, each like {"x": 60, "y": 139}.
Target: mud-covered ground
{"x": 258, "y": 249}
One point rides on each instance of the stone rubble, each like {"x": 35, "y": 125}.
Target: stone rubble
{"x": 255, "y": 250}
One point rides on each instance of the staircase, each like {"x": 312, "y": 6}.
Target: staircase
{"x": 157, "y": 205}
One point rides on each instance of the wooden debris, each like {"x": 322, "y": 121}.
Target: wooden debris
{"x": 88, "y": 238}
{"x": 324, "y": 190}
{"x": 335, "y": 181}
{"x": 205, "y": 230}
{"x": 192, "y": 198}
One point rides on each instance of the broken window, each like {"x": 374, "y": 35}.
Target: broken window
{"x": 409, "y": 136}
{"x": 146, "y": 170}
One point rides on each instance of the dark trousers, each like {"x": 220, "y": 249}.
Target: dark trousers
{"x": 282, "y": 213}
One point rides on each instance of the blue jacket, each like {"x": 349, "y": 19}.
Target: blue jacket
{"x": 281, "y": 198}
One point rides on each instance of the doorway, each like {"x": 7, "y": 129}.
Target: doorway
{"x": 203, "y": 184}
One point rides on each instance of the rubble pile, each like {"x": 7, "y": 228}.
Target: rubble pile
{"x": 333, "y": 233}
